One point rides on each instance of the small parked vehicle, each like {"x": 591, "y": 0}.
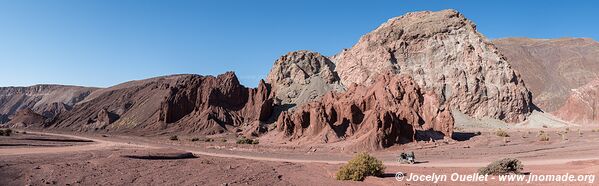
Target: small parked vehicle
{"x": 406, "y": 158}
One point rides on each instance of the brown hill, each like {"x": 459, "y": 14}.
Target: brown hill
{"x": 443, "y": 52}
{"x": 552, "y": 67}
{"x": 582, "y": 106}
{"x": 48, "y": 100}
{"x": 391, "y": 111}
{"x": 178, "y": 103}
{"x": 26, "y": 118}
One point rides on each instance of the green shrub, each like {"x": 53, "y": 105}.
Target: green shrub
{"x": 502, "y": 133}
{"x": 174, "y": 138}
{"x": 503, "y": 166}
{"x": 244, "y": 140}
{"x": 361, "y": 166}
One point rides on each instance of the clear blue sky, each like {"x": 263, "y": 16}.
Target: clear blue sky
{"x": 102, "y": 43}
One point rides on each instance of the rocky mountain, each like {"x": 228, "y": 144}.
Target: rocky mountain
{"x": 26, "y": 118}
{"x": 302, "y": 76}
{"x": 177, "y": 103}
{"x": 47, "y": 100}
{"x": 552, "y": 67}
{"x": 391, "y": 111}
{"x": 582, "y": 106}
{"x": 444, "y": 53}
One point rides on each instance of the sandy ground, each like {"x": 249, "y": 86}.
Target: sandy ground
{"x": 73, "y": 160}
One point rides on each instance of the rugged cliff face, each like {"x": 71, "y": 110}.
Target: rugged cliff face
{"x": 552, "y": 67}
{"x": 48, "y": 100}
{"x": 582, "y": 106}
{"x": 391, "y": 111}
{"x": 178, "y": 103}
{"x": 302, "y": 76}
{"x": 444, "y": 53}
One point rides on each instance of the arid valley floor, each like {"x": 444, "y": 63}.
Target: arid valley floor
{"x": 38, "y": 158}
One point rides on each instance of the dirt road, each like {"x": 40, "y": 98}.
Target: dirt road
{"x": 105, "y": 144}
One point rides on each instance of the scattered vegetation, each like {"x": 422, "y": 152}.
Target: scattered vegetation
{"x": 223, "y": 140}
{"x": 208, "y": 140}
{"x": 195, "y": 139}
{"x": 174, "y": 138}
{"x": 6, "y": 132}
{"x": 244, "y": 140}
{"x": 580, "y": 133}
{"x": 24, "y": 132}
{"x": 502, "y": 167}
{"x": 502, "y": 133}
{"x": 478, "y": 133}
{"x": 361, "y": 166}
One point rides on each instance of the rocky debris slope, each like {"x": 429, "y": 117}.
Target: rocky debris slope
{"x": 392, "y": 110}
{"x": 444, "y": 53}
{"x": 26, "y": 118}
{"x": 178, "y": 103}
{"x": 582, "y": 106}
{"x": 302, "y": 76}
{"x": 552, "y": 67}
{"x": 48, "y": 100}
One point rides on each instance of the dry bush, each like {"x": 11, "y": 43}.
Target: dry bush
{"x": 6, "y": 132}
{"x": 502, "y": 133}
{"x": 360, "y": 167}
{"x": 244, "y": 140}
{"x": 502, "y": 167}
{"x": 543, "y": 137}
{"x": 174, "y": 138}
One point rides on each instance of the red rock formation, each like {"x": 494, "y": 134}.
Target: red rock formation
{"x": 582, "y": 106}
{"x": 26, "y": 118}
{"x": 390, "y": 111}
{"x": 179, "y": 103}
{"x": 445, "y": 53}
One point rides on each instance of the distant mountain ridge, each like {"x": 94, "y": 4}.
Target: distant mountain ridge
{"x": 552, "y": 67}
{"x": 47, "y": 100}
